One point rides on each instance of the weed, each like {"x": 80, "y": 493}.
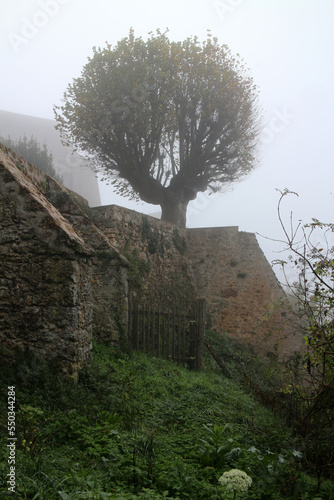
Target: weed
{"x": 179, "y": 241}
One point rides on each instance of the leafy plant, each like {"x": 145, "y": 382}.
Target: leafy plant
{"x": 216, "y": 449}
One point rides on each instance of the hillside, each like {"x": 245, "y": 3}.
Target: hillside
{"x": 141, "y": 427}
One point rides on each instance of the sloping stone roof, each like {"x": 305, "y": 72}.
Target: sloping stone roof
{"x": 8, "y": 162}
{"x": 65, "y": 208}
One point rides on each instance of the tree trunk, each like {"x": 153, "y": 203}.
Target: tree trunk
{"x": 174, "y": 212}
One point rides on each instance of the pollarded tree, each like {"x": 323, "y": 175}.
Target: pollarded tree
{"x": 164, "y": 120}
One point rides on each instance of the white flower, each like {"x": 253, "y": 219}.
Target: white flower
{"x": 235, "y": 480}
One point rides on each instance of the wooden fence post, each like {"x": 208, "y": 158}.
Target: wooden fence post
{"x": 143, "y": 327}
{"x": 200, "y": 330}
{"x": 130, "y": 308}
{"x": 163, "y": 334}
{"x": 168, "y": 334}
{"x": 173, "y": 337}
{"x": 153, "y": 331}
{"x": 135, "y": 325}
{"x": 159, "y": 334}
{"x": 192, "y": 343}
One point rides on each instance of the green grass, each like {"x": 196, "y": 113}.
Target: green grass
{"x": 141, "y": 427}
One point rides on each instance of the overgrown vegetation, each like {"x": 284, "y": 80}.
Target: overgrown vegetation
{"x": 151, "y": 235}
{"x": 312, "y": 261}
{"x": 179, "y": 242}
{"x": 138, "y": 268}
{"x": 141, "y": 427}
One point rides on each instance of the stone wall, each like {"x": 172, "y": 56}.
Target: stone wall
{"x": 159, "y": 269}
{"x": 244, "y": 297}
{"x": 222, "y": 265}
{"x": 61, "y": 281}
{"x": 109, "y": 272}
{"x": 45, "y": 270}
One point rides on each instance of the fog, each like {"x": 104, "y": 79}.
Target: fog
{"x": 287, "y": 45}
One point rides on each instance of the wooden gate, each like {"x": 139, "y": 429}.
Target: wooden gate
{"x": 169, "y": 333}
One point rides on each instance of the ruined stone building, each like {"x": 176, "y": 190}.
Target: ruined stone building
{"x": 55, "y": 287}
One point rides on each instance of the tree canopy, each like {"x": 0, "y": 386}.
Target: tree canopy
{"x": 164, "y": 120}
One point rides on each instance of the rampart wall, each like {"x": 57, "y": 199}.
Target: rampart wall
{"x": 159, "y": 269}
{"x": 244, "y": 297}
{"x": 223, "y": 265}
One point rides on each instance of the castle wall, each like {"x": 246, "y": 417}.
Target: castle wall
{"x": 222, "y": 265}
{"x": 159, "y": 270}
{"x": 244, "y": 297}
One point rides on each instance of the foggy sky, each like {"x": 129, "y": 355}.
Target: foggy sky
{"x": 288, "y": 46}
